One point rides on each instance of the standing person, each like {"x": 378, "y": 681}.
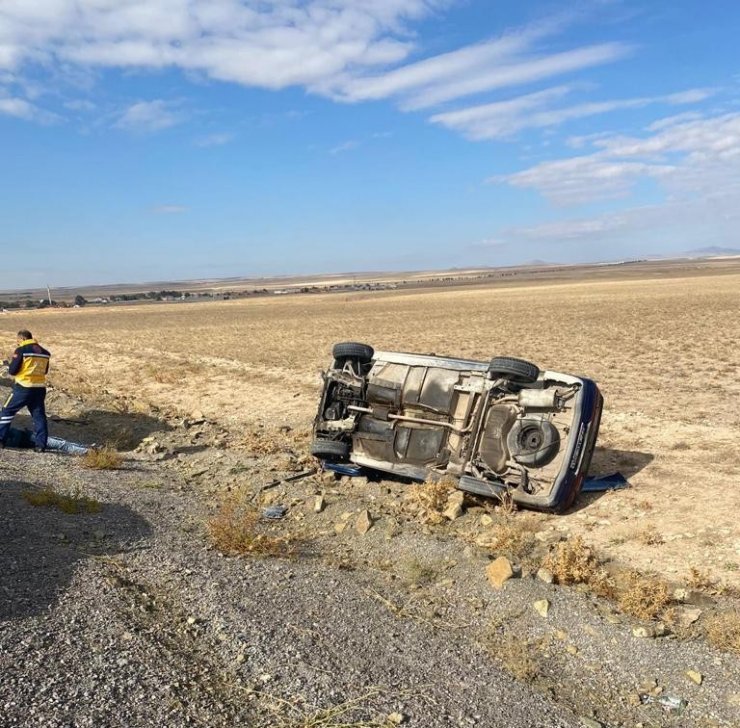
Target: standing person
{"x": 29, "y": 366}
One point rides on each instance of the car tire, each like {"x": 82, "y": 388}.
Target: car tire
{"x": 533, "y": 442}
{"x": 517, "y": 370}
{"x": 330, "y": 449}
{"x": 352, "y": 350}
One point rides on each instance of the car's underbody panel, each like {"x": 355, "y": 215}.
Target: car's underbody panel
{"x": 517, "y": 430}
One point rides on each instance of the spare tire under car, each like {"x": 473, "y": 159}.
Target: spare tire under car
{"x": 533, "y": 441}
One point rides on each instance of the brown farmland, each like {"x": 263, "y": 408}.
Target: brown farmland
{"x": 664, "y": 350}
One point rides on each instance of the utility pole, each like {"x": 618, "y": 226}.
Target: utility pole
{"x": 48, "y": 293}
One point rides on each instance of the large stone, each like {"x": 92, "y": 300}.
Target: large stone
{"x": 499, "y": 572}
{"x": 695, "y": 677}
{"x": 453, "y": 512}
{"x": 319, "y": 504}
{"x": 542, "y": 607}
{"x": 363, "y": 523}
{"x": 546, "y": 576}
{"x": 687, "y": 615}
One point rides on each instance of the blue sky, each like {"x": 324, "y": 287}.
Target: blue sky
{"x": 145, "y": 140}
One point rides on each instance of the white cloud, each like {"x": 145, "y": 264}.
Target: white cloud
{"x": 351, "y": 50}
{"x": 344, "y": 147}
{"x": 267, "y": 43}
{"x": 516, "y": 73}
{"x": 149, "y": 116}
{"x": 169, "y": 209}
{"x": 683, "y": 153}
{"x": 503, "y": 119}
{"x": 23, "y": 109}
{"x": 215, "y": 140}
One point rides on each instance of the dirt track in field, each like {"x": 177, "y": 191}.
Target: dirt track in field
{"x": 664, "y": 350}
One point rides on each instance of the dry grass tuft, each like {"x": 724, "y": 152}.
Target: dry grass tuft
{"x": 235, "y": 531}
{"x": 103, "y": 458}
{"x": 572, "y": 562}
{"x": 518, "y": 657}
{"x": 74, "y": 503}
{"x": 513, "y": 538}
{"x": 643, "y": 597}
{"x": 650, "y": 536}
{"x": 701, "y": 581}
{"x": 723, "y": 631}
{"x": 297, "y": 714}
{"x": 429, "y": 499}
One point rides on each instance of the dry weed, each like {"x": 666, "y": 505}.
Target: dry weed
{"x": 513, "y": 538}
{"x": 74, "y": 503}
{"x": 572, "y": 562}
{"x": 701, "y": 581}
{"x": 428, "y": 500}
{"x": 296, "y": 714}
{"x": 723, "y": 631}
{"x": 518, "y": 657}
{"x": 259, "y": 442}
{"x": 650, "y": 536}
{"x": 102, "y": 458}
{"x": 642, "y": 596}
{"x": 234, "y": 530}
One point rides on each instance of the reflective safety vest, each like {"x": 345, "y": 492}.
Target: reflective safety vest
{"x": 30, "y": 364}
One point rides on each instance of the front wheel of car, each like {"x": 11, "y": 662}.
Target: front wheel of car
{"x": 517, "y": 370}
{"x": 352, "y": 350}
{"x": 330, "y": 449}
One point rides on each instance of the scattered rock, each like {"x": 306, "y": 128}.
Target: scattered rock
{"x": 486, "y": 520}
{"x": 548, "y": 537}
{"x": 546, "y": 576}
{"x": 499, "y": 572}
{"x": 191, "y": 621}
{"x": 643, "y": 632}
{"x": 396, "y": 718}
{"x": 542, "y": 607}
{"x": 363, "y": 523}
{"x": 454, "y": 505}
{"x": 680, "y": 595}
{"x": 319, "y": 504}
{"x": 571, "y": 649}
{"x": 339, "y": 527}
{"x": 590, "y": 722}
{"x": 695, "y": 677}
{"x": 687, "y": 615}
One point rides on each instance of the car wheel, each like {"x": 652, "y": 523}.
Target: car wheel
{"x": 352, "y": 350}
{"x": 518, "y": 370}
{"x": 533, "y": 442}
{"x": 330, "y": 449}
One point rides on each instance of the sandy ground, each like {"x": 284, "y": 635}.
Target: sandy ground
{"x": 663, "y": 350}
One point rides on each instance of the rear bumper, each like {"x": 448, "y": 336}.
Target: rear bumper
{"x": 569, "y": 481}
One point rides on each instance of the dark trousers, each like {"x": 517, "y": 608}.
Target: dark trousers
{"x": 33, "y": 398}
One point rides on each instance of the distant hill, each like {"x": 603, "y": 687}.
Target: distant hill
{"x": 711, "y": 250}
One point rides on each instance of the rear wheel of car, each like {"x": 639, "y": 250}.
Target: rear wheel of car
{"x": 352, "y": 350}
{"x": 330, "y": 449}
{"x": 517, "y": 370}
{"x": 533, "y": 442}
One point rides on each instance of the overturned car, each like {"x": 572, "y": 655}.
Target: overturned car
{"x": 498, "y": 427}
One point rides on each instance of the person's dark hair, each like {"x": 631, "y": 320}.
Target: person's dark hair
{"x": 25, "y": 334}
